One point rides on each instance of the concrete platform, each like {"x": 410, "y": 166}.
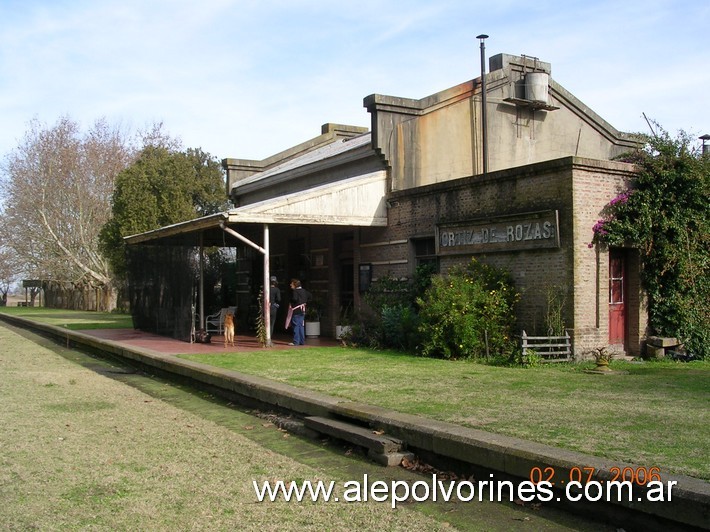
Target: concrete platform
{"x": 504, "y": 457}
{"x": 170, "y": 346}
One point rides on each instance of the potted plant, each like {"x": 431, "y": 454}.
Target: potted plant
{"x": 313, "y": 320}
{"x": 602, "y": 357}
{"x": 344, "y": 323}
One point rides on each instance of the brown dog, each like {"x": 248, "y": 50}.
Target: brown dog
{"x": 229, "y": 329}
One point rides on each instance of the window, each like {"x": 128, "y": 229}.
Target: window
{"x": 425, "y": 253}
{"x": 365, "y": 277}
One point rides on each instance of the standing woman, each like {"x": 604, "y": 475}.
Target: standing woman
{"x": 299, "y": 297}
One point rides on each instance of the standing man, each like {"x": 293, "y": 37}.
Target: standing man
{"x": 299, "y": 298}
{"x": 275, "y": 302}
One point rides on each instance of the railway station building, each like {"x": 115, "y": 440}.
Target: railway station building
{"x": 428, "y": 183}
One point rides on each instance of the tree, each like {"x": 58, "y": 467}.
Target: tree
{"x": 160, "y": 188}
{"x": 666, "y": 215}
{"x": 56, "y": 188}
{"x": 9, "y": 272}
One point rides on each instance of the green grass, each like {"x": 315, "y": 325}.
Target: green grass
{"x": 655, "y": 416}
{"x": 92, "y": 453}
{"x": 72, "y": 319}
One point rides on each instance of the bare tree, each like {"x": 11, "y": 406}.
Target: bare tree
{"x": 56, "y": 192}
{"x": 9, "y": 272}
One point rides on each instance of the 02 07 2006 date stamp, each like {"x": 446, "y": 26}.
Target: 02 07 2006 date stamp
{"x": 583, "y": 475}
{"x": 616, "y": 483}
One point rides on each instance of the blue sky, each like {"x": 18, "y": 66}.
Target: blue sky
{"x": 249, "y": 78}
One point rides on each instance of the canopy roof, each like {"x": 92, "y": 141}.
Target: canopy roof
{"x": 356, "y": 201}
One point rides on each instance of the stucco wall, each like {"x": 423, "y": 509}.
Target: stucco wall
{"x": 439, "y": 138}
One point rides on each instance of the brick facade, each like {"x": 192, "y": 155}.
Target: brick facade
{"x": 576, "y": 189}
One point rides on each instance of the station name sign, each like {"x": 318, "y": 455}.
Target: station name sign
{"x": 533, "y": 230}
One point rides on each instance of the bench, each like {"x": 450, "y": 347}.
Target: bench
{"x": 659, "y": 346}
{"x": 549, "y": 348}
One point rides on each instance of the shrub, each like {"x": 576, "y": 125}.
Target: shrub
{"x": 399, "y": 327}
{"x": 531, "y": 359}
{"x": 366, "y": 331}
{"x": 387, "y": 291}
{"x": 391, "y": 319}
{"x": 556, "y": 300}
{"x": 468, "y": 313}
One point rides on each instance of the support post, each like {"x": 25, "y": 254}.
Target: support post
{"x": 201, "y": 288}
{"x": 267, "y": 274}
{"x": 267, "y": 287}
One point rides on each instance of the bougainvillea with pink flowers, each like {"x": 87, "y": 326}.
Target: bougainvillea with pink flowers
{"x": 666, "y": 216}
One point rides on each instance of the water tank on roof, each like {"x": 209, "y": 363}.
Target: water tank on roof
{"x": 536, "y": 84}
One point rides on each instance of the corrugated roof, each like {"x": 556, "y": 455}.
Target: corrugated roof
{"x": 323, "y": 153}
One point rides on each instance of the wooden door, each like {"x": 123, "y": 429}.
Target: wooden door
{"x": 617, "y": 297}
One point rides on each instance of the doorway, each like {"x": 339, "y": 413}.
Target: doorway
{"x": 617, "y": 297}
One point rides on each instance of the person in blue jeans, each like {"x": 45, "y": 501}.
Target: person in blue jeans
{"x": 299, "y": 298}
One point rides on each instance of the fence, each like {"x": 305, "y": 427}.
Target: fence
{"x": 550, "y": 348}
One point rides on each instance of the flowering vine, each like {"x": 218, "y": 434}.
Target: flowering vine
{"x": 602, "y": 229}
{"x": 666, "y": 217}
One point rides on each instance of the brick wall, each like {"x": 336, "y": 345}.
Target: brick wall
{"x": 578, "y": 189}
{"x": 595, "y": 184}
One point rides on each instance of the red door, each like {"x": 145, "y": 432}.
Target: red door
{"x": 617, "y": 312}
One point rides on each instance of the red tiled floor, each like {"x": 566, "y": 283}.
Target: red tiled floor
{"x": 163, "y": 344}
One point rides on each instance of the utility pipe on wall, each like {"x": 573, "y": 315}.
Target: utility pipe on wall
{"x": 484, "y": 128}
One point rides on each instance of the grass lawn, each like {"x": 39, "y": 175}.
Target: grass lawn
{"x": 655, "y": 416}
{"x": 72, "y": 319}
{"x": 81, "y": 451}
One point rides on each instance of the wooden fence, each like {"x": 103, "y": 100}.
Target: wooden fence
{"x": 550, "y": 348}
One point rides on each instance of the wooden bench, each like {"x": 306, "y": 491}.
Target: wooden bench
{"x": 550, "y": 348}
